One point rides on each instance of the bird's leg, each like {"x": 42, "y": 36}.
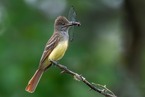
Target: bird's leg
{"x": 53, "y": 62}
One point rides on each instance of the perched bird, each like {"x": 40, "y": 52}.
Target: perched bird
{"x": 54, "y": 49}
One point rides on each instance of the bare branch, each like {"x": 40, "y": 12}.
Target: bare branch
{"x": 96, "y": 87}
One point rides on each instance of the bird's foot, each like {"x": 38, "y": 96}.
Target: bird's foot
{"x": 53, "y": 62}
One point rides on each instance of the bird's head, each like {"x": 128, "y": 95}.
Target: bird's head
{"x": 62, "y": 24}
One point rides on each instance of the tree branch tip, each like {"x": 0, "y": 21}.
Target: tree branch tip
{"x": 104, "y": 86}
{"x": 63, "y": 71}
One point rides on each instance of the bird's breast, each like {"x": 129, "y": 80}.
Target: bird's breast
{"x": 59, "y": 50}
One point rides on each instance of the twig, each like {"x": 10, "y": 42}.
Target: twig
{"x": 96, "y": 87}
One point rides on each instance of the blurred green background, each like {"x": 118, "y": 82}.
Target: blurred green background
{"x": 108, "y": 47}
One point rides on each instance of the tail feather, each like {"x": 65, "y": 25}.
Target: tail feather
{"x": 32, "y": 84}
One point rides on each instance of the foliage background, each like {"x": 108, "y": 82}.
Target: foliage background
{"x": 107, "y": 49}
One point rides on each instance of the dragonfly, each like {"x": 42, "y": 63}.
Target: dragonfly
{"x": 72, "y": 16}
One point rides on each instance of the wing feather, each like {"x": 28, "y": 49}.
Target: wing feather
{"x": 51, "y": 44}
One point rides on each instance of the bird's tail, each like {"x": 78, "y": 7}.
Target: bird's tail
{"x": 32, "y": 84}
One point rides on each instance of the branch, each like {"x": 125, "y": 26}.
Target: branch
{"x": 96, "y": 87}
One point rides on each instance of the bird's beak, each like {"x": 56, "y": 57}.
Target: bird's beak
{"x": 73, "y": 23}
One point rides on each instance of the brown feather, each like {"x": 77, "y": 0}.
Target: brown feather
{"x": 52, "y": 43}
{"x": 34, "y": 81}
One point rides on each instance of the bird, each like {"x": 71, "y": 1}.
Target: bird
{"x": 54, "y": 50}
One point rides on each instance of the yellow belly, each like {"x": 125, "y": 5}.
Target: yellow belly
{"x": 59, "y": 51}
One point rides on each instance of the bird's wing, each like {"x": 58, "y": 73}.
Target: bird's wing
{"x": 51, "y": 44}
